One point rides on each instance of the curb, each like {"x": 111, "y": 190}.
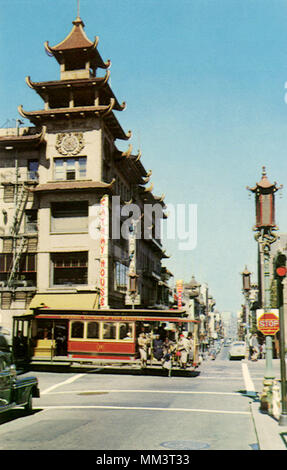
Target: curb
{"x": 270, "y": 435}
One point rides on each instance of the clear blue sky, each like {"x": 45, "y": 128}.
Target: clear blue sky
{"x": 204, "y": 85}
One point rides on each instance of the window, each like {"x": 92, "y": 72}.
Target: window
{"x": 59, "y": 173}
{"x": 70, "y": 168}
{"x": 9, "y": 190}
{"x": 69, "y": 216}
{"x": 121, "y": 276}
{"x": 126, "y": 331}
{"x": 31, "y": 221}
{"x": 6, "y": 261}
{"x": 26, "y": 269}
{"x": 82, "y": 164}
{"x": 77, "y": 330}
{"x": 93, "y": 330}
{"x": 28, "y": 263}
{"x": 70, "y": 268}
{"x": 109, "y": 330}
{"x": 33, "y": 167}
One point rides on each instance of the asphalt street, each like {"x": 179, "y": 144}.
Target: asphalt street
{"x": 90, "y": 410}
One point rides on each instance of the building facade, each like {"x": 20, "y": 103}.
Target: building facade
{"x": 67, "y": 194}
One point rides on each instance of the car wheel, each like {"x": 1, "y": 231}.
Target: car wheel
{"x": 29, "y": 405}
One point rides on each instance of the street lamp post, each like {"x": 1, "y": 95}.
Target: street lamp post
{"x": 246, "y": 286}
{"x": 280, "y": 276}
{"x": 265, "y": 225}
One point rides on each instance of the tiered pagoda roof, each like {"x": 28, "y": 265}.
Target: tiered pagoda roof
{"x": 77, "y": 44}
{"x": 79, "y": 92}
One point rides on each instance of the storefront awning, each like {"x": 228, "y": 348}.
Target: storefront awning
{"x": 79, "y": 301}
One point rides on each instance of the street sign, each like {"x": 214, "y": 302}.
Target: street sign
{"x": 268, "y": 324}
{"x": 129, "y": 300}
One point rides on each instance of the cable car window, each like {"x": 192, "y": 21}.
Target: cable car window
{"x": 109, "y": 330}
{"x": 93, "y": 330}
{"x": 77, "y": 329}
{"x": 125, "y": 331}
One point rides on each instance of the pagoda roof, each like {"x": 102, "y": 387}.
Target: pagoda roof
{"x": 102, "y": 82}
{"x": 148, "y": 197}
{"x": 131, "y": 166}
{"x": 81, "y": 111}
{"x": 73, "y": 185}
{"x": 22, "y": 140}
{"x": 264, "y": 183}
{"x": 193, "y": 284}
{"x": 77, "y": 41}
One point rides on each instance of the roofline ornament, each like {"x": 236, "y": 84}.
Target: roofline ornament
{"x": 128, "y": 152}
{"x": 148, "y": 190}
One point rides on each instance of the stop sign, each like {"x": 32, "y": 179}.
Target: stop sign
{"x": 268, "y": 324}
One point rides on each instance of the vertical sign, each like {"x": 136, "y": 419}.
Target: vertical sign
{"x": 104, "y": 252}
{"x": 179, "y": 288}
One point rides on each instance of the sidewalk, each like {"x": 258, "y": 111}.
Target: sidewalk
{"x": 270, "y": 435}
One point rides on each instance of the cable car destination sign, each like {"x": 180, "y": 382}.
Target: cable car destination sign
{"x": 268, "y": 323}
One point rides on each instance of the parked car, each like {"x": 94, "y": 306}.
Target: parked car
{"x": 14, "y": 391}
{"x": 237, "y": 350}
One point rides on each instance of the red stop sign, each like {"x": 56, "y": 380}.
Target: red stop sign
{"x": 268, "y": 324}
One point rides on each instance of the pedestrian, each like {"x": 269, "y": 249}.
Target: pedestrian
{"x": 191, "y": 348}
{"x": 158, "y": 348}
{"x": 255, "y": 347}
{"x": 143, "y": 345}
{"x": 183, "y": 346}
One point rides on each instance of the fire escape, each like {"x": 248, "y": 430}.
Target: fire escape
{"x": 19, "y": 242}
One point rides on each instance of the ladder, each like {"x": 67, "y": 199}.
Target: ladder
{"x": 16, "y": 260}
{"x": 19, "y": 210}
{"x": 21, "y": 202}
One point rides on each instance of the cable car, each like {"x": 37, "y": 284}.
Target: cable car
{"x": 94, "y": 336}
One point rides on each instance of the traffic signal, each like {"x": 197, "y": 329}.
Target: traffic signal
{"x": 280, "y": 266}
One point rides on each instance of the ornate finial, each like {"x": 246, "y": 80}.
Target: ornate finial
{"x": 264, "y": 171}
{"x": 78, "y": 8}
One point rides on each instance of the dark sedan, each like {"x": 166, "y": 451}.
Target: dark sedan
{"x": 14, "y": 391}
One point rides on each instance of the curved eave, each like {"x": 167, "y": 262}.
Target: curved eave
{"x": 90, "y": 50}
{"x": 157, "y": 247}
{"x": 115, "y": 128}
{"x": 150, "y": 198}
{"x": 76, "y": 38}
{"x": 268, "y": 188}
{"x": 128, "y": 169}
{"x": 53, "y": 112}
{"x": 33, "y": 140}
{"x": 44, "y": 88}
{"x": 128, "y": 160}
{"x": 74, "y": 186}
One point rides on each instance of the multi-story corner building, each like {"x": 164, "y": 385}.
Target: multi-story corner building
{"x": 62, "y": 228}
